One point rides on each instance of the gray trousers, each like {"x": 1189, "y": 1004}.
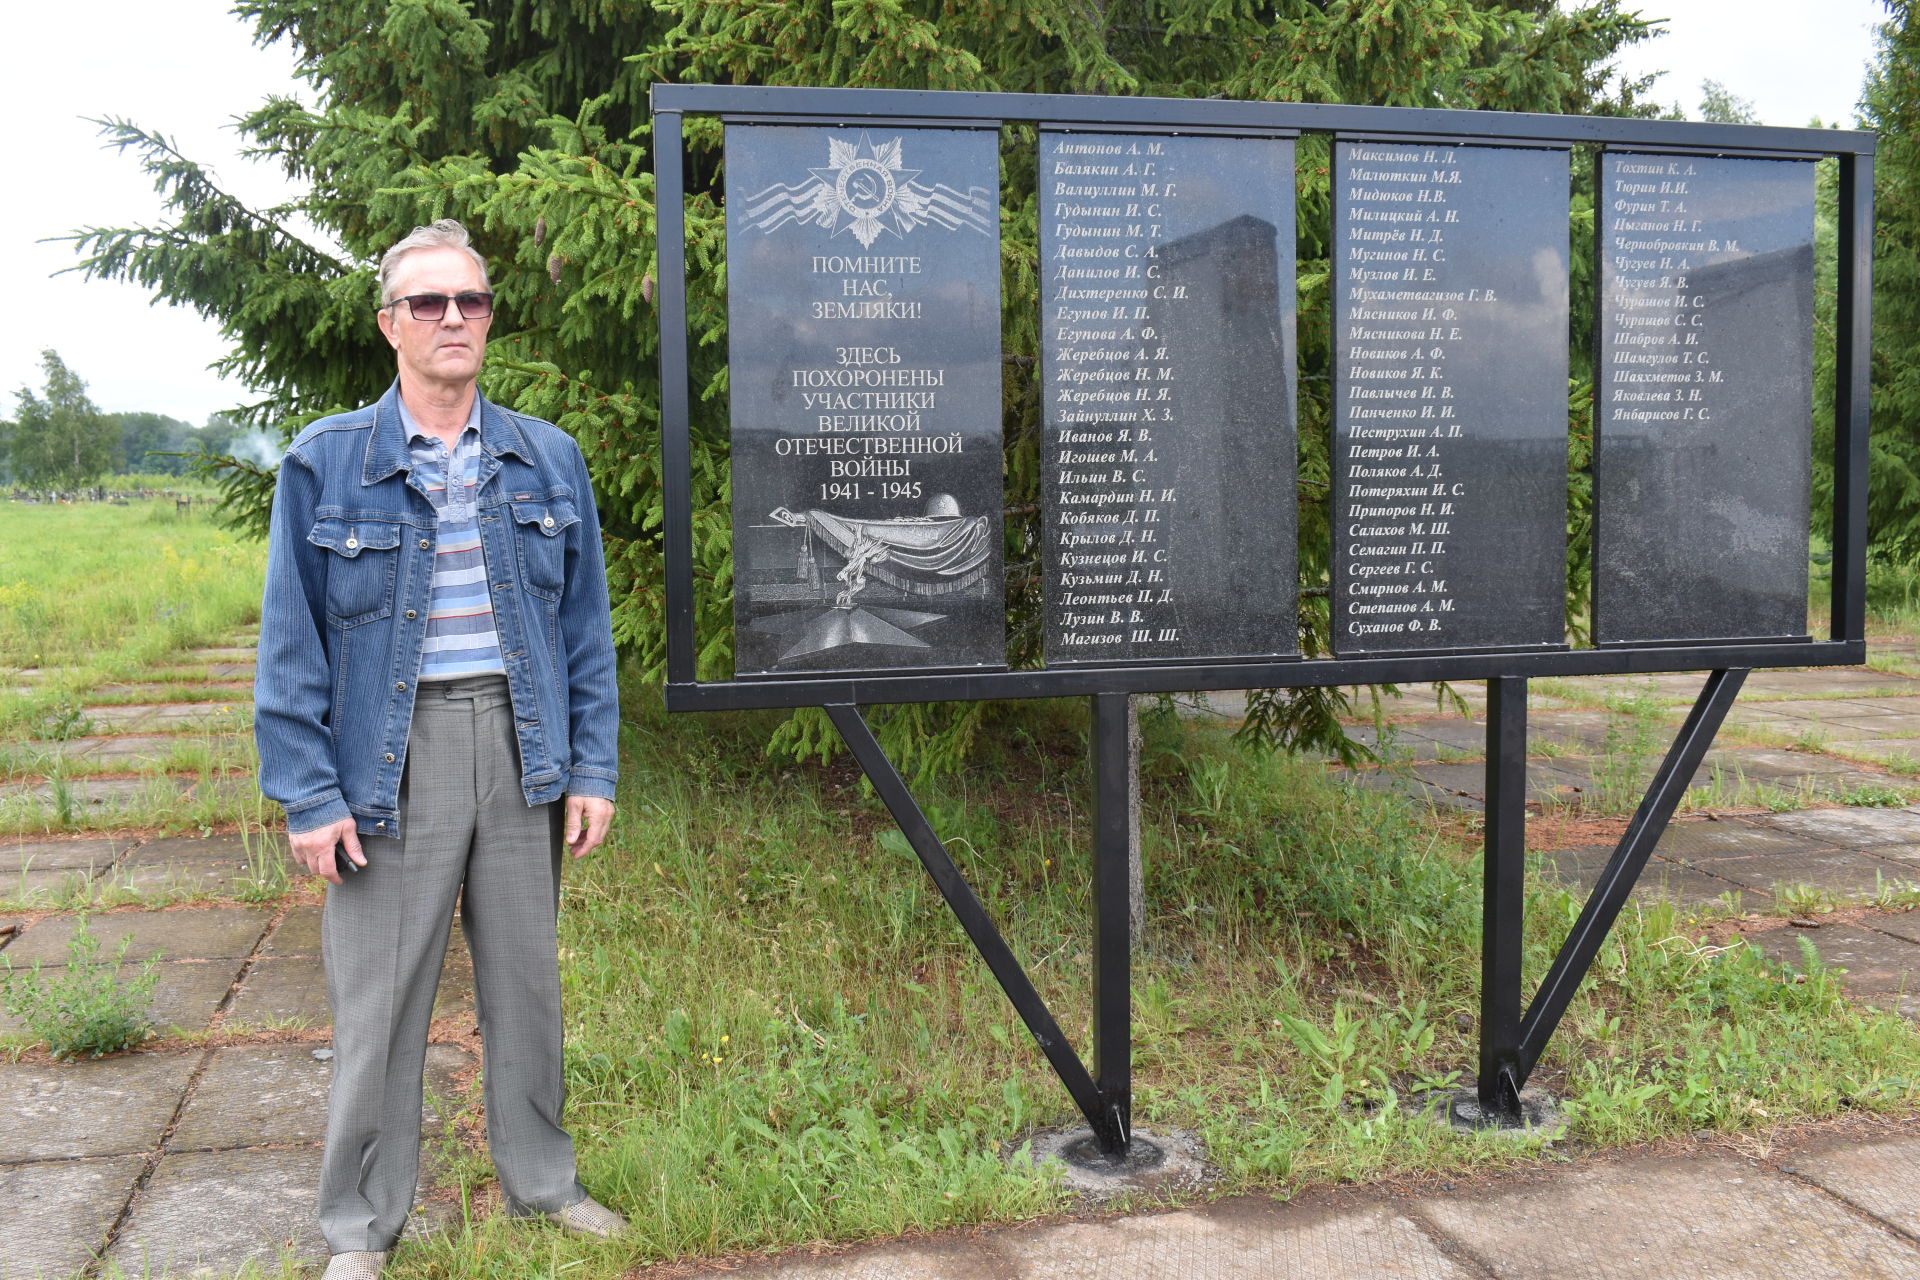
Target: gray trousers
{"x": 467, "y": 831}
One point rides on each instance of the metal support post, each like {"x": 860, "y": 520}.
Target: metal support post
{"x": 973, "y": 916}
{"x": 1623, "y": 869}
{"x": 1113, "y": 767}
{"x": 1502, "y": 918}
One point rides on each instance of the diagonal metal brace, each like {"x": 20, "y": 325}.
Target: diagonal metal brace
{"x": 1108, "y": 1127}
{"x": 1623, "y": 868}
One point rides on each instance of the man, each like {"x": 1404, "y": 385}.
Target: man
{"x": 436, "y": 673}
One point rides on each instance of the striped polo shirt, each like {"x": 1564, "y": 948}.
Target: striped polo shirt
{"x": 461, "y": 640}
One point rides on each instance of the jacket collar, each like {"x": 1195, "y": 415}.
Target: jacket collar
{"x": 387, "y": 450}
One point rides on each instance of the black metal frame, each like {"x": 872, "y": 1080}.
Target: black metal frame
{"x": 1510, "y": 1042}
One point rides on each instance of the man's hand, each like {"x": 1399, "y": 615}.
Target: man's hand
{"x": 588, "y": 818}
{"x": 313, "y": 850}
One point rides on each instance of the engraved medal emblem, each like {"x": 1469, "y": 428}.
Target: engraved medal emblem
{"x": 866, "y": 189}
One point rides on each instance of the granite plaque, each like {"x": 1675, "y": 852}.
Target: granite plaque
{"x": 1450, "y": 397}
{"x": 1703, "y": 398}
{"x": 1167, "y": 455}
{"x": 863, "y": 304}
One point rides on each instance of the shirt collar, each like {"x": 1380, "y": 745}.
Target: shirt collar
{"x": 415, "y": 432}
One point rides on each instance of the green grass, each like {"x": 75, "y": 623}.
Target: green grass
{"x": 95, "y": 592}
{"x": 778, "y": 1035}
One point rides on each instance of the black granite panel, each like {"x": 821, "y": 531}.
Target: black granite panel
{"x": 864, "y": 342}
{"x": 1703, "y": 398}
{"x": 1166, "y": 293}
{"x": 1450, "y": 397}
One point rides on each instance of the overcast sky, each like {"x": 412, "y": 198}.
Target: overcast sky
{"x": 186, "y": 68}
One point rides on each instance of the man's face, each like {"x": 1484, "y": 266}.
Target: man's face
{"x": 446, "y": 351}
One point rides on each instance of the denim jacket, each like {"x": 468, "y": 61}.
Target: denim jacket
{"x": 349, "y": 566}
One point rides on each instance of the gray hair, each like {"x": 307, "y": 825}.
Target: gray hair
{"x": 443, "y": 234}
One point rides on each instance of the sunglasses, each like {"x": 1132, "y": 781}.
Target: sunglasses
{"x": 433, "y": 306}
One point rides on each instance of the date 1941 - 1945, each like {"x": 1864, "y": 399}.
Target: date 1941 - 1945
{"x": 846, "y": 490}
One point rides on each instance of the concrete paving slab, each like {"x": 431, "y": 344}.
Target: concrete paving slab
{"x": 202, "y": 689}
{"x": 61, "y": 1109}
{"x": 276, "y": 1095}
{"x": 1846, "y": 873}
{"x": 297, "y": 934}
{"x": 1859, "y": 784}
{"x": 1779, "y": 762}
{"x": 124, "y": 717}
{"x": 44, "y": 888}
{"x": 227, "y": 848}
{"x": 1583, "y": 862}
{"x": 60, "y": 1211}
{"x": 1703, "y": 840}
{"x": 206, "y": 1214}
{"x": 293, "y": 992}
{"x": 1694, "y": 891}
{"x": 1235, "y": 1238}
{"x": 1545, "y": 782}
{"x": 1879, "y": 724}
{"x": 43, "y": 855}
{"x": 1776, "y": 768}
{"x": 1860, "y": 826}
{"x": 1762, "y": 713}
{"x": 1850, "y": 680}
{"x": 1874, "y": 1176}
{"x": 1886, "y": 749}
{"x": 282, "y": 993}
{"x": 1579, "y": 869}
{"x": 1657, "y": 1218}
{"x": 187, "y": 867}
{"x": 193, "y": 934}
{"x": 130, "y": 717}
{"x": 177, "y": 880}
{"x": 1901, "y": 924}
{"x": 133, "y": 751}
{"x": 102, "y": 793}
{"x": 1455, "y": 735}
{"x": 1876, "y": 964}
{"x": 224, "y": 653}
{"x": 1245, "y": 1238}
{"x": 1835, "y": 710}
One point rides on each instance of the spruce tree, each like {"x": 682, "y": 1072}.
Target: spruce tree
{"x": 1891, "y": 108}
{"x": 529, "y": 123}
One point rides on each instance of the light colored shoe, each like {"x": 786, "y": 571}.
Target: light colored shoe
{"x": 355, "y": 1266}
{"x": 589, "y": 1218}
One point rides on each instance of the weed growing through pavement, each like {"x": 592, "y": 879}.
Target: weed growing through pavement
{"x": 1724, "y": 790}
{"x": 84, "y": 1008}
{"x": 1804, "y": 900}
{"x": 1875, "y": 795}
{"x": 1632, "y": 748}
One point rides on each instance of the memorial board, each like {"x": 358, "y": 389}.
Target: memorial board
{"x": 863, "y": 305}
{"x": 1703, "y": 398}
{"x": 1167, "y": 455}
{"x": 1449, "y": 279}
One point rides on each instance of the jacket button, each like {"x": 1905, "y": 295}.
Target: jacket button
{"x": 379, "y": 826}
{"x": 389, "y": 757}
{"x": 548, "y": 522}
{"x": 401, "y": 685}
{"x": 411, "y": 615}
{"x": 352, "y": 543}
{"x": 425, "y": 543}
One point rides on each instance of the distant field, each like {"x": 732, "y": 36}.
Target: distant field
{"x": 100, "y": 585}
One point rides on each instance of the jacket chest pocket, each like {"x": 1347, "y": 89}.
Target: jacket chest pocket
{"x": 363, "y": 558}
{"x": 540, "y": 540}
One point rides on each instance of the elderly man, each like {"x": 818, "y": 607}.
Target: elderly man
{"x": 436, "y": 711}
